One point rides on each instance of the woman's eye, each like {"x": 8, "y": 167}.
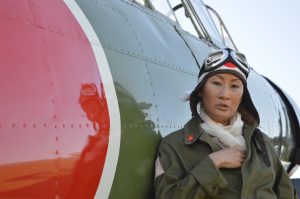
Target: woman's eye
{"x": 216, "y": 83}
{"x": 235, "y": 86}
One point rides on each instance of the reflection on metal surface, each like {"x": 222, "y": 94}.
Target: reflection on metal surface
{"x": 295, "y": 172}
{"x": 31, "y": 179}
{"x": 138, "y": 147}
{"x": 273, "y": 113}
{"x": 88, "y": 168}
{"x": 44, "y": 132}
{"x": 55, "y": 119}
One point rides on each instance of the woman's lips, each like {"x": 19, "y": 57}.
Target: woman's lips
{"x": 223, "y": 107}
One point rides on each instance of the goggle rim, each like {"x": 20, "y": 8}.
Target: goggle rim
{"x": 239, "y": 59}
{"x": 211, "y": 64}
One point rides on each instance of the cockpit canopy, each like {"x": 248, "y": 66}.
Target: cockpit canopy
{"x": 194, "y": 17}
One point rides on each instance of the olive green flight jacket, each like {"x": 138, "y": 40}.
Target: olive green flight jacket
{"x": 190, "y": 174}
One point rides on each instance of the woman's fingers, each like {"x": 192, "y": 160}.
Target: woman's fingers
{"x": 232, "y": 157}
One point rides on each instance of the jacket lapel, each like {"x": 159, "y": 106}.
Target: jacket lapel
{"x": 194, "y": 132}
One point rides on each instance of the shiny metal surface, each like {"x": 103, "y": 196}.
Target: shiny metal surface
{"x": 275, "y": 121}
{"x": 54, "y": 120}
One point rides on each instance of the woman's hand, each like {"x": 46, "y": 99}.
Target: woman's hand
{"x": 232, "y": 157}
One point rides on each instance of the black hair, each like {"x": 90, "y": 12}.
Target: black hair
{"x": 195, "y": 99}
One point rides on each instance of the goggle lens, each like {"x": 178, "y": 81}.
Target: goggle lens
{"x": 240, "y": 58}
{"x": 218, "y": 58}
{"x": 214, "y": 58}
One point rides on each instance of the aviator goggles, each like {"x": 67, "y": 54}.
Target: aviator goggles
{"x": 227, "y": 57}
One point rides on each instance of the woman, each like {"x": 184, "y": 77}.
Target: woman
{"x": 220, "y": 153}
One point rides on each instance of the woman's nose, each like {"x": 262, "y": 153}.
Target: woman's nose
{"x": 224, "y": 93}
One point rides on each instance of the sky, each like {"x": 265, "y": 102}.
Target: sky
{"x": 268, "y": 33}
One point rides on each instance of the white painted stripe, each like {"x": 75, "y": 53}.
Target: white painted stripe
{"x": 113, "y": 106}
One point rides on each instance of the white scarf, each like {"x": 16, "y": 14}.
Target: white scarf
{"x": 230, "y": 135}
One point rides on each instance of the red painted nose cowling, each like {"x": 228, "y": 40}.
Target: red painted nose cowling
{"x": 54, "y": 121}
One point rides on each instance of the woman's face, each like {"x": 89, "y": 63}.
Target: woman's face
{"x": 221, "y": 96}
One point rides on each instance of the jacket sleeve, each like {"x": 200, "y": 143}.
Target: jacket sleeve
{"x": 175, "y": 182}
{"x": 283, "y": 186}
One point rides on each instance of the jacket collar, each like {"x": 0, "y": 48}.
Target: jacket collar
{"x": 248, "y": 131}
{"x": 194, "y": 132}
